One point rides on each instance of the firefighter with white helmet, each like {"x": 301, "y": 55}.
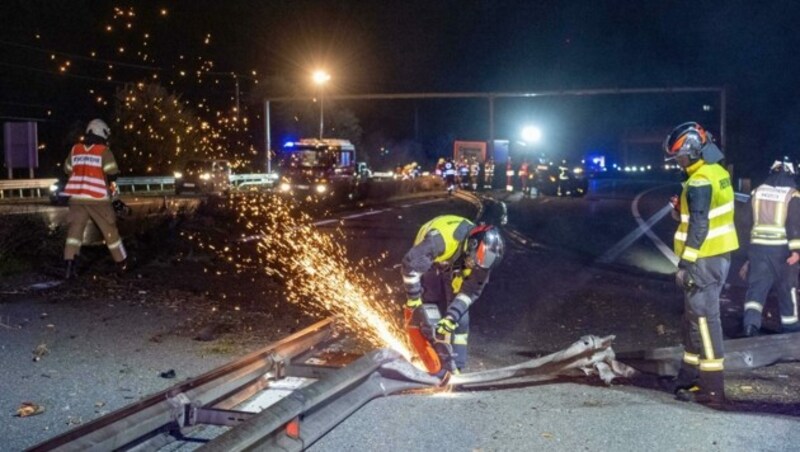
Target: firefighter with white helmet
{"x": 774, "y": 250}
{"x": 448, "y": 266}
{"x": 89, "y": 165}
{"x": 703, "y": 242}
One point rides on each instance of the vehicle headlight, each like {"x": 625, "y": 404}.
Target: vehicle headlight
{"x": 285, "y": 187}
{"x": 53, "y": 188}
{"x": 177, "y": 174}
{"x": 578, "y": 170}
{"x": 205, "y": 176}
{"x": 321, "y": 188}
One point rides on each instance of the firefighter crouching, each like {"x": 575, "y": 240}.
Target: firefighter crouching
{"x": 448, "y": 266}
{"x": 703, "y": 242}
{"x": 773, "y": 254}
{"x": 88, "y": 165}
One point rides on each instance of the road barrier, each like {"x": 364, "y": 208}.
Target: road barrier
{"x": 18, "y": 188}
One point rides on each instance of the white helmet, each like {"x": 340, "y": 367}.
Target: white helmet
{"x": 782, "y": 165}
{"x": 98, "y": 127}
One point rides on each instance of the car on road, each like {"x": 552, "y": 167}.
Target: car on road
{"x": 207, "y": 177}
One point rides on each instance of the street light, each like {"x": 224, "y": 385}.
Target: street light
{"x": 320, "y": 78}
{"x": 531, "y": 134}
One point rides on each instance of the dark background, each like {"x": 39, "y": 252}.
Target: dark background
{"x": 433, "y": 46}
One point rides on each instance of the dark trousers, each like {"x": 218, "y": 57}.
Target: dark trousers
{"x": 768, "y": 269}
{"x": 437, "y": 289}
{"x": 702, "y": 328}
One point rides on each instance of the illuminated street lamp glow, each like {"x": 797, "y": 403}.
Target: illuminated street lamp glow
{"x": 531, "y": 134}
{"x": 321, "y": 77}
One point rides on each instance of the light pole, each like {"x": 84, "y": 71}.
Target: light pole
{"x": 320, "y": 78}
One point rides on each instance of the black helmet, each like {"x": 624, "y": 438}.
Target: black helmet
{"x": 484, "y": 246}
{"x": 688, "y": 139}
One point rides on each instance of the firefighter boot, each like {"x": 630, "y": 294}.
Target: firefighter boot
{"x": 711, "y": 390}
{"x": 686, "y": 379}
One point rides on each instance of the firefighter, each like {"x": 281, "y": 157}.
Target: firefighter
{"x": 450, "y": 176}
{"x": 449, "y": 265}
{"x": 774, "y": 249}
{"x": 703, "y": 241}
{"x": 474, "y": 170}
{"x": 488, "y": 180}
{"x": 89, "y": 166}
{"x": 523, "y": 178}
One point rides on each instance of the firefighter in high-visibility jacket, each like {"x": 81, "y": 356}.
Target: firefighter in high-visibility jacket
{"x": 703, "y": 242}
{"x": 774, "y": 249}
{"x": 88, "y": 165}
{"x": 449, "y": 265}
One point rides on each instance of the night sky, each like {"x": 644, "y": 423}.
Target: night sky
{"x": 434, "y": 46}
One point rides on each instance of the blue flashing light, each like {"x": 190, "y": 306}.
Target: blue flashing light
{"x": 288, "y": 144}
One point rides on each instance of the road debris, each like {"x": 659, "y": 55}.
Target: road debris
{"x": 40, "y": 351}
{"x": 29, "y": 409}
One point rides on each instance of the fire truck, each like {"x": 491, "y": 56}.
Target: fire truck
{"x": 321, "y": 168}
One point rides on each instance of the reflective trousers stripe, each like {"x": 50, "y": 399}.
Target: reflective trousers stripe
{"x": 712, "y": 365}
{"x": 705, "y": 335}
{"x": 460, "y": 339}
{"x": 754, "y": 305}
{"x": 74, "y": 242}
{"x": 691, "y": 358}
{"x": 792, "y": 319}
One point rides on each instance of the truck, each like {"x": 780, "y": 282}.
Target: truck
{"x": 321, "y": 168}
{"x": 469, "y": 151}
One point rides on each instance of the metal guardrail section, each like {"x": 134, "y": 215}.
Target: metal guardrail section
{"x": 168, "y": 409}
{"x": 147, "y": 182}
{"x": 20, "y": 186}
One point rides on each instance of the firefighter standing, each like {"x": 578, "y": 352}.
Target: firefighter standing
{"x": 450, "y": 176}
{"x": 703, "y": 242}
{"x": 774, "y": 249}
{"x": 88, "y": 165}
{"x": 488, "y": 174}
{"x": 449, "y": 265}
{"x": 523, "y": 177}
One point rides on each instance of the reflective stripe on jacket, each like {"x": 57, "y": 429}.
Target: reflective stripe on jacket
{"x": 448, "y": 227}
{"x": 87, "y": 166}
{"x": 770, "y": 210}
{"x": 721, "y": 237}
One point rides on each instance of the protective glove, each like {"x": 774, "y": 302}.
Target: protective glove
{"x": 745, "y": 270}
{"x": 446, "y": 326}
{"x": 683, "y": 277}
{"x": 408, "y": 309}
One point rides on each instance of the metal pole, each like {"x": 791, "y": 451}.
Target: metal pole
{"x": 723, "y": 106}
{"x": 236, "y": 79}
{"x": 267, "y": 138}
{"x": 321, "y": 114}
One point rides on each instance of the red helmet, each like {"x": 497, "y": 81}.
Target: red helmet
{"x": 484, "y": 246}
{"x": 688, "y": 138}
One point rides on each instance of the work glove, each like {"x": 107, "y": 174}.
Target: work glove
{"x": 746, "y": 269}
{"x": 408, "y": 309}
{"x": 446, "y": 326}
{"x": 683, "y": 277}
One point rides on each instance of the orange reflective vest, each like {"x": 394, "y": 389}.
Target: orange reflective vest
{"x": 87, "y": 170}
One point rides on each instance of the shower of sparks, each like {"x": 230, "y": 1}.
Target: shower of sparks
{"x": 314, "y": 267}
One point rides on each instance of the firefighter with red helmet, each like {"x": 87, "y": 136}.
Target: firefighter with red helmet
{"x": 89, "y": 166}
{"x": 774, "y": 250}
{"x": 703, "y": 242}
{"x": 448, "y": 267}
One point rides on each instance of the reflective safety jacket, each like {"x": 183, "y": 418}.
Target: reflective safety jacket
{"x": 776, "y": 216}
{"x": 707, "y": 227}
{"x": 438, "y": 247}
{"x": 87, "y": 166}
